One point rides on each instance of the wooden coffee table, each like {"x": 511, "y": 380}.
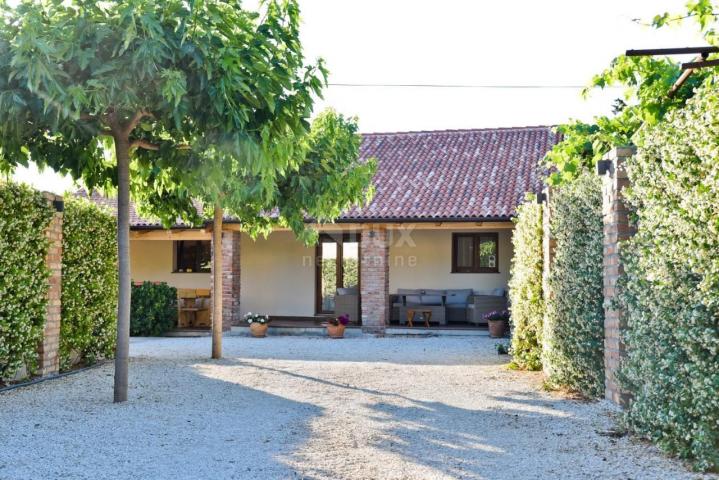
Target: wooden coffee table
{"x": 426, "y": 314}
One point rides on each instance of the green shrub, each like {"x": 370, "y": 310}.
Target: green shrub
{"x": 525, "y": 286}
{"x": 670, "y": 289}
{"x": 89, "y": 283}
{"x": 573, "y": 354}
{"x": 24, "y": 216}
{"x": 154, "y": 309}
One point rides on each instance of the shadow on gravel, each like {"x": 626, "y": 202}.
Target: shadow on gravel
{"x": 178, "y": 423}
{"x": 456, "y": 442}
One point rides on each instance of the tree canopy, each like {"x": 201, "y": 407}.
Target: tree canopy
{"x": 175, "y": 100}
{"x": 647, "y": 82}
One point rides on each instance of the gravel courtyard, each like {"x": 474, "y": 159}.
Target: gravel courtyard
{"x": 314, "y": 408}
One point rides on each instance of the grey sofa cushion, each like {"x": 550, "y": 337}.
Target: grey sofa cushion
{"x": 413, "y": 296}
{"x": 432, "y": 297}
{"x": 458, "y": 297}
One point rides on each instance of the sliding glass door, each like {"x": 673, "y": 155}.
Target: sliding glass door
{"x": 337, "y": 267}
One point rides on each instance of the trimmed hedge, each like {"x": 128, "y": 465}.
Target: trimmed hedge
{"x": 574, "y": 325}
{"x": 525, "y": 286}
{"x": 670, "y": 289}
{"x": 89, "y": 283}
{"x": 154, "y": 309}
{"x": 24, "y": 216}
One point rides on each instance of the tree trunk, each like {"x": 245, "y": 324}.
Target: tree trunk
{"x": 122, "y": 350}
{"x": 217, "y": 283}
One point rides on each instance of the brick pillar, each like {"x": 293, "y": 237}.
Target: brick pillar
{"x": 548, "y": 247}
{"x": 548, "y": 242}
{"x": 616, "y": 230}
{"x": 374, "y": 278}
{"x": 48, "y": 349}
{"x": 230, "y": 279}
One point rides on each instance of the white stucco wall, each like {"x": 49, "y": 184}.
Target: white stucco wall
{"x": 278, "y": 276}
{"x": 423, "y": 259}
{"x": 151, "y": 260}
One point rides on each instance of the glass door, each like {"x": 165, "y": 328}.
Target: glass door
{"x": 327, "y": 271}
{"x": 337, "y": 267}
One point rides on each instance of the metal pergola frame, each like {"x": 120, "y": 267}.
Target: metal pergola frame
{"x": 699, "y": 62}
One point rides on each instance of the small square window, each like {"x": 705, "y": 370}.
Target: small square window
{"x": 475, "y": 252}
{"x": 192, "y": 256}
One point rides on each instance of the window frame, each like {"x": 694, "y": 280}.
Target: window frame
{"x": 197, "y": 267}
{"x": 476, "y": 239}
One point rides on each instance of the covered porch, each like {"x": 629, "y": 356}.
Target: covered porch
{"x": 375, "y": 273}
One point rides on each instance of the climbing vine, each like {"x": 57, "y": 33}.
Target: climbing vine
{"x": 89, "y": 283}
{"x": 525, "y": 286}
{"x": 573, "y": 354}
{"x": 670, "y": 290}
{"x": 24, "y": 216}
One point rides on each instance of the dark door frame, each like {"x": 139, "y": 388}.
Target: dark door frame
{"x": 339, "y": 239}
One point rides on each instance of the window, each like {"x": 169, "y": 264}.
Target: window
{"x": 192, "y": 256}
{"x": 475, "y": 253}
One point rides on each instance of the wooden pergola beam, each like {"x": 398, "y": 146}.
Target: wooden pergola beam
{"x": 688, "y": 67}
{"x": 699, "y": 63}
{"x": 205, "y": 233}
{"x": 648, "y": 52}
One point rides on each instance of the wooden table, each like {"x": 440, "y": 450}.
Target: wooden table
{"x": 426, "y": 314}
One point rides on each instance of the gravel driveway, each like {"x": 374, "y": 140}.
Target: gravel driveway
{"x": 314, "y": 408}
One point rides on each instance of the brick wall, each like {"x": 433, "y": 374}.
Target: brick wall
{"x": 374, "y": 278}
{"x": 616, "y": 229}
{"x": 48, "y": 359}
{"x": 230, "y": 279}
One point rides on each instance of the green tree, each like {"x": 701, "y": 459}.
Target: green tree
{"x": 165, "y": 86}
{"x": 323, "y": 176}
{"x": 645, "y": 101}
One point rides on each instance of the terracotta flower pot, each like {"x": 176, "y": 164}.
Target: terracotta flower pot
{"x": 497, "y": 328}
{"x": 335, "y": 331}
{"x": 258, "y": 330}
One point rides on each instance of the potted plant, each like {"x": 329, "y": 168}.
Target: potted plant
{"x": 498, "y": 321}
{"x": 336, "y": 326}
{"x": 258, "y": 324}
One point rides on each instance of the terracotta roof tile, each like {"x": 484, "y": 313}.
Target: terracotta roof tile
{"x": 453, "y": 174}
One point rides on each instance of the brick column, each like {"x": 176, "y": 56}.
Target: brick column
{"x": 548, "y": 247}
{"x": 48, "y": 349}
{"x": 374, "y": 278}
{"x": 548, "y": 242}
{"x": 230, "y": 279}
{"x": 616, "y": 230}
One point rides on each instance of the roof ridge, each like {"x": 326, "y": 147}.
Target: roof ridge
{"x": 459, "y": 130}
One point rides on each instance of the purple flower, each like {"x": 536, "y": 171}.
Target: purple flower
{"x": 344, "y": 319}
{"x": 497, "y": 315}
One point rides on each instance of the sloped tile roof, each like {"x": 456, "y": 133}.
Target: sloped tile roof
{"x": 460, "y": 175}
{"x": 453, "y": 174}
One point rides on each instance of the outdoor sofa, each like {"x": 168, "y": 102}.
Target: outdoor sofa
{"x": 447, "y": 306}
